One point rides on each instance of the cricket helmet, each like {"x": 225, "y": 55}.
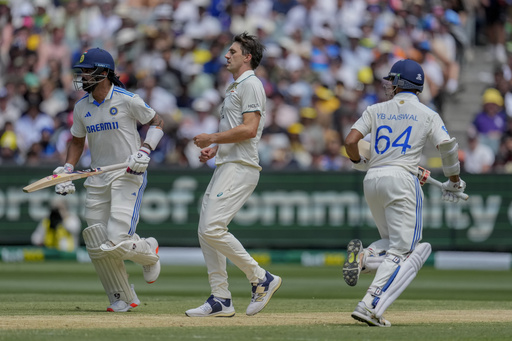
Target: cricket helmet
{"x": 97, "y": 61}
{"x": 406, "y": 74}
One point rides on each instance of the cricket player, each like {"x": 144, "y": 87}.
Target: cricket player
{"x": 399, "y": 129}
{"x": 107, "y": 116}
{"x": 233, "y": 181}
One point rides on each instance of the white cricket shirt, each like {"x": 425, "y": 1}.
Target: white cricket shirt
{"x": 244, "y": 95}
{"x": 399, "y": 130}
{"x": 111, "y": 126}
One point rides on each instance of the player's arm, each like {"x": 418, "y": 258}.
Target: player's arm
{"x": 156, "y": 123}
{"x": 247, "y": 130}
{"x": 138, "y": 162}
{"x": 75, "y": 150}
{"x": 449, "y": 150}
{"x": 351, "y": 147}
{"x": 359, "y": 162}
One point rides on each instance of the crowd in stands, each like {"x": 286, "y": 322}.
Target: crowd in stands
{"x": 323, "y": 64}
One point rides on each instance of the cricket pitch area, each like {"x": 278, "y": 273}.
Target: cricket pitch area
{"x": 63, "y": 301}
{"x": 270, "y": 319}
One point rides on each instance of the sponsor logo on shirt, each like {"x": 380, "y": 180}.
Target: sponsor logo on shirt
{"x": 96, "y": 128}
{"x": 88, "y": 114}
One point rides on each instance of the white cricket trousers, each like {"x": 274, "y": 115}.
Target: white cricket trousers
{"x": 116, "y": 205}
{"x": 395, "y": 199}
{"x": 229, "y": 188}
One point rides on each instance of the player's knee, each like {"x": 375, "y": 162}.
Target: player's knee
{"x": 210, "y": 234}
{"x": 119, "y": 230}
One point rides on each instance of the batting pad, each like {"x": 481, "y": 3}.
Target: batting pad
{"x": 135, "y": 249}
{"x": 111, "y": 270}
{"x": 407, "y": 272}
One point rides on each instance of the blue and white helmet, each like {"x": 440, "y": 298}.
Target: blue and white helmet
{"x": 94, "y": 58}
{"x": 97, "y": 61}
{"x": 406, "y": 74}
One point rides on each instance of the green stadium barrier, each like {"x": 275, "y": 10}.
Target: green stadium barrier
{"x": 288, "y": 210}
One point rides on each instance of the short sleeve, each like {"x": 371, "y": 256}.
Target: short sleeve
{"x": 140, "y": 110}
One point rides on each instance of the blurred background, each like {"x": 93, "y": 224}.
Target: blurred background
{"x": 323, "y": 65}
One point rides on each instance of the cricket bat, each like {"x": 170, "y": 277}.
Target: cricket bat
{"x": 423, "y": 174}
{"x": 55, "y": 179}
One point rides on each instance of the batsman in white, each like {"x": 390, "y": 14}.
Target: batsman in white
{"x": 399, "y": 129}
{"x": 234, "y": 179}
{"x": 107, "y": 116}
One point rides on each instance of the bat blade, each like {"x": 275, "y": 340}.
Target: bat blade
{"x": 56, "y": 179}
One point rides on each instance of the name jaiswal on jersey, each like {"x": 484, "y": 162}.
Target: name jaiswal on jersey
{"x": 102, "y": 126}
{"x": 398, "y": 117}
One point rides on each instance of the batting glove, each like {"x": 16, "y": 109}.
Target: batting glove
{"x": 450, "y": 188}
{"x": 66, "y": 187}
{"x": 138, "y": 162}
{"x": 362, "y": 165}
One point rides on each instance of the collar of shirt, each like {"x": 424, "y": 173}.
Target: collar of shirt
{"x": 109, "y": 96}
{"x": 240, "y": 79}
{"x": 406, "y": 95}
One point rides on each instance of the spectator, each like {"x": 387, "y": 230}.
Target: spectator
{"x": 199, "y": 121}
{"x": 504, "y": 158}
{"x": 8, "y": 143}
{"x": 30, "y": 126}
{"x": 60, "y": 230}
{"x": 8, "y": 111}
{"x": 490, "y": 123}
{"x": 332, "y": 158}
{"x": 162, "y": 101}
{"x": 478, "y": 157}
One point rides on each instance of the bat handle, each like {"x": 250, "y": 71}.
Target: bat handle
{"x": 438, "y": 183}
{"x": 113, "y": 167}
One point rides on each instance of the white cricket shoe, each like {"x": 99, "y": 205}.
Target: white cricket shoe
{"x": 364, "y": 314}
{"x": 122, "y": 306}
{"x": 352, "y": 266}
{"x": 262, "y": 293}
{"x": 151, "y": 272}
{"x": 213, "y": 307}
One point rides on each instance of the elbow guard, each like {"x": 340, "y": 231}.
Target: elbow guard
{"x": 450, "y": 157}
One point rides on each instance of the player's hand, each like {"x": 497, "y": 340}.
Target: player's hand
{"x": 202, "y": 140}
{"x": 66, "y": 187}
{"x": 450, "y": 188}
{"x": 207, "y": 154}
{"x": 362, "y": 165}
{"x": 138, "y": 162}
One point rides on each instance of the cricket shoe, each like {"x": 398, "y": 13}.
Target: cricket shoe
{"x": 364, "y": 314}
{"x": 213, "y": 307}
{"x": 352, "y": 266}
{"x": 151, "y": 272}
{"x": 262, "y": 293}
{"x": 122, "y": 306}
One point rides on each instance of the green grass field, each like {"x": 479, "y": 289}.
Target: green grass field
{"x": 65, "y": 300}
